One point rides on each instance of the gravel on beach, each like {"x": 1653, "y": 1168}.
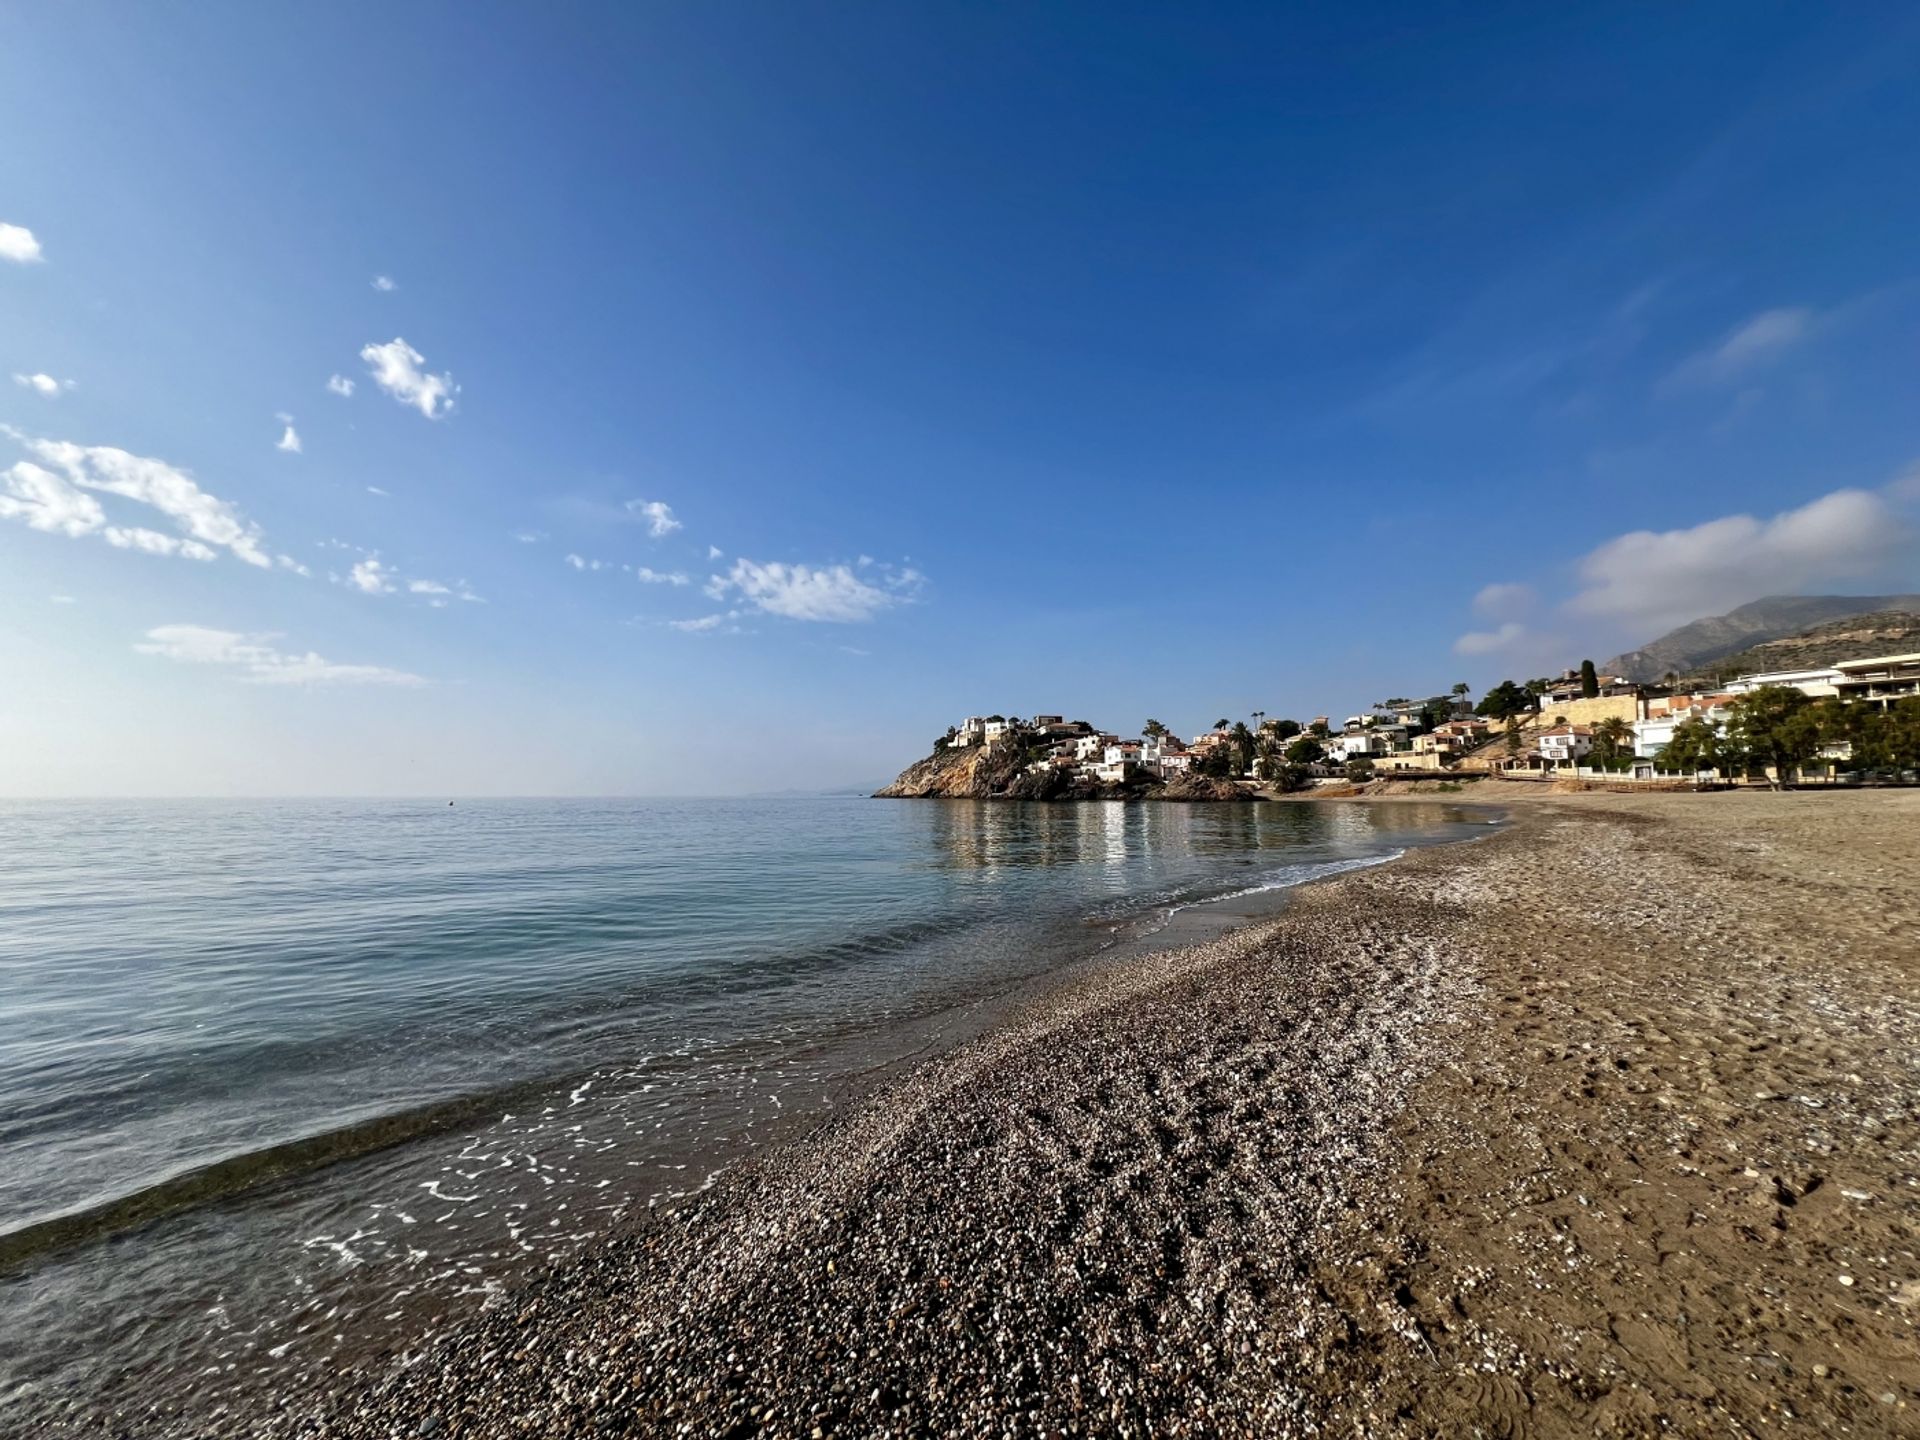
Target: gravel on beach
{"x": 1603, "y": 1125}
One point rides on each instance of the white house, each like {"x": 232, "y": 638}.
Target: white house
{"x": 1357, "y": 743}
{"x": 1155, "y": 748}
{"x": 1565, "y": 744}
{"x": 995, "y": 728}
{"x": 1091, "y": 747}
{"x": 969, "y": 731}
{"x": 1667, "y": 713}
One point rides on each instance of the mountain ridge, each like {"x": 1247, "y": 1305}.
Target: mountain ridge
{"x": 1772, "y": 618}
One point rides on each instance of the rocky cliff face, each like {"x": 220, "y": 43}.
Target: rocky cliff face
{"x": 971, "y": 773}
{"x": 998, "y": 772}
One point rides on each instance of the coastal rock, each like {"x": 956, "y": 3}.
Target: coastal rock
{"x": 1203, "y": 787}
{"x": 1000, "y": 772}
{"x": 972, "y": 772}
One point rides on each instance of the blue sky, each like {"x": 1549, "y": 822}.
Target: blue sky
{"x": 1115, "y": 360}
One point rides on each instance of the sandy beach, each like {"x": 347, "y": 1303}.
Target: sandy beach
{"x": 1602, "y": 1125}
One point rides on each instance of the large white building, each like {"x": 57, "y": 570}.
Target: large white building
{"x": 1880, "y": 681}
{"x": 1816, "y": 683}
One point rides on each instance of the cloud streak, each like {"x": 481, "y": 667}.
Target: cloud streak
{"x": 830, "y": 594}
{"x": 1749, "y": 346}
{"x": 57, "y": 497}
{"x": 258, "y": 661}
{"x": 42, "y": 384}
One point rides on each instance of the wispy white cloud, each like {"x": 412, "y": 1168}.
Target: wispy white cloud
{"x": 340, "y": 385}
{"x": 657, "y": 577}
{"x": 1508, "y": 602}
{"x": 1505, "y": 600}
{"x": 657, "y": 515}
{"x": 705, "y": 624}
{"x": 371, "y": 577}
{"x": 1751, "y": 344}
{"x": 714, "y": 552}
{"x": 289, "y": 440}
{"x": 18, "y": 245}
{"x": 376, "y": 490}
{"x": 56, "y": 500}
{"x": 580, "y": 562}
{"x": 438, "y": 595}
{"x": 396, "y": 368}
{"x": 259, "y": 661}
{"x": 384, "y": 283}
{"x": 1488, "y": 642}
{"x": 1671, "y": 576}
{"x": 530, "y": 537}
{"x": 61, "y": 599}
{"x": 42, "y": 384}
{"x": 830, "y": 593}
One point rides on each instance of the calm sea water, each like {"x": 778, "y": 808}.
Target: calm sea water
{"x": 282, "y": 1081}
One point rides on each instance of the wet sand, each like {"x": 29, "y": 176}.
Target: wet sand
{"x": 1603, "y": 1125}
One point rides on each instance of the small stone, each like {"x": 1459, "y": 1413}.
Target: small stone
{"x": 1847, "y": 1280}
{"x": 1820, "y": 1372}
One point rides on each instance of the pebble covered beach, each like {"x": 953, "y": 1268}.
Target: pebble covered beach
{"x": 1602, "y": 1125}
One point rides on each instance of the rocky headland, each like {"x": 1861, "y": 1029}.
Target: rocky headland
{"x": 1002, "y": 772}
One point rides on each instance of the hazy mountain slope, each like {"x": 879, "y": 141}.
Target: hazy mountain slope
{"x": 1776, "y": 617}
{"x": 1885, "y": 632}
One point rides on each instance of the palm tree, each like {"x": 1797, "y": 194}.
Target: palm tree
{"x": 1612, "y": 737}
{"x": 1221, "y": 723}
{"x": 1258, "y": 716}
{"x": 1241, "y": 739}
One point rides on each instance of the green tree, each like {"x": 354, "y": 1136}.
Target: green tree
{"x": 1215, "y": 761}
{"x": 1776, "y": 726}
{"x": 1281, "y": 775}
{"x": 1359, "y": 769}
{"x": 1505, "y": 699}
{"x": 1282, "y": 729}
{"x": 1220, "y": 724}
{"x": 1589, "y": 680}
{"x": 1512, "y": 728}
{"x": 1153, "y": 729}
{"x": 1240, "y": 741}
{"x": 1320, "y": 728}
{"x": 1461, "y": 695}
{"x": 1306, "y": 750}
{"x": 1612, "y": 738}
{"x": 1697, "y": 744}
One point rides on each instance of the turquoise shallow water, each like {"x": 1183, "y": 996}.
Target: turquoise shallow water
{"x": 283, "y": 1079}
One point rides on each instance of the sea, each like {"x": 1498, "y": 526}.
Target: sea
{"x": 286, "y": 1084}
